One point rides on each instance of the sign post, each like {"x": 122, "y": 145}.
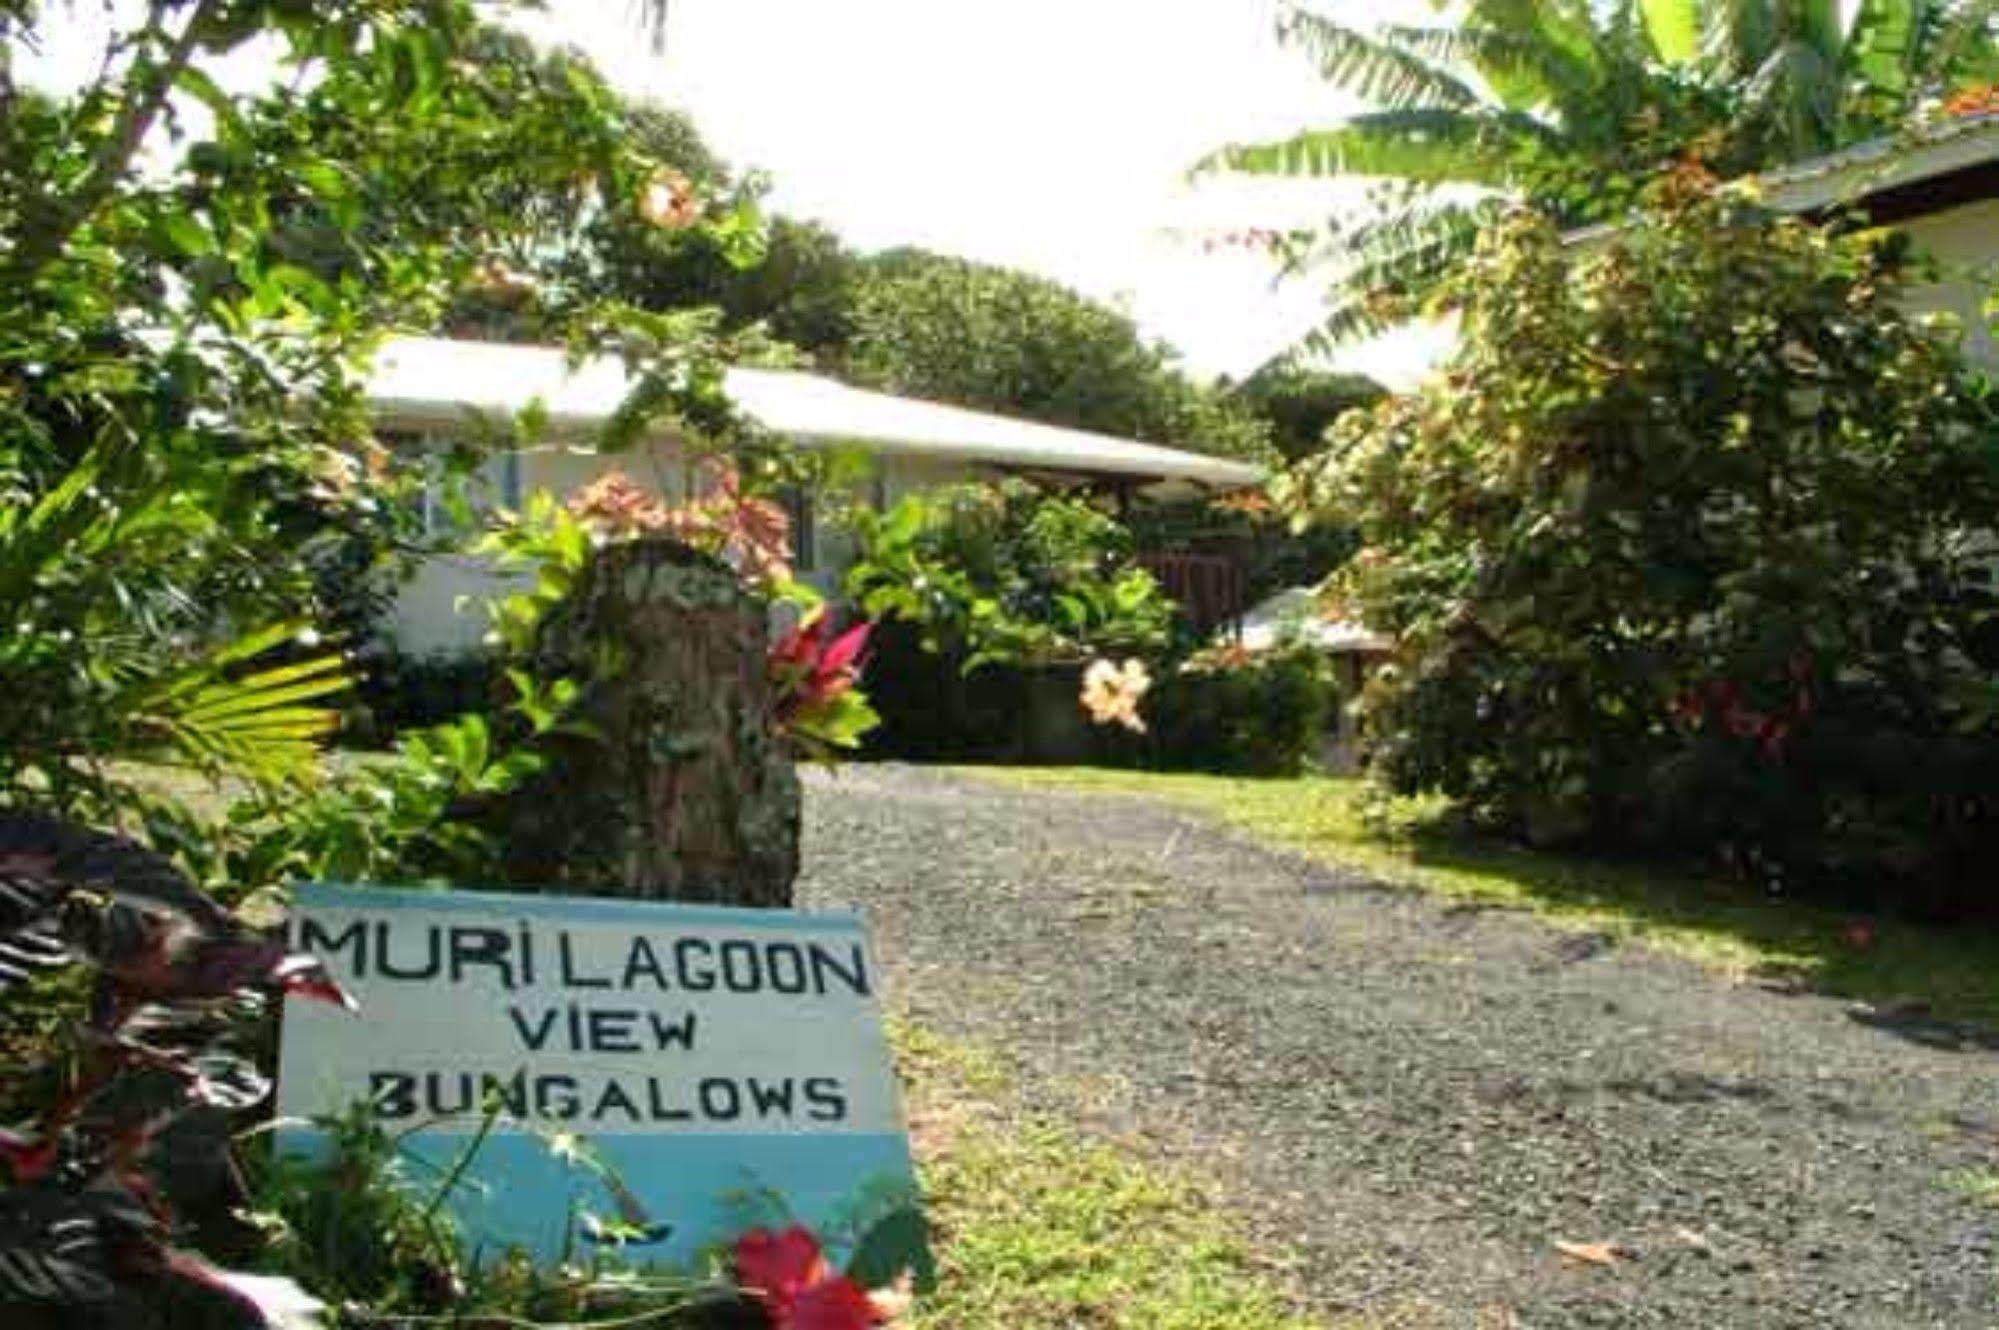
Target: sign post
{"x": 705, "y": 1061}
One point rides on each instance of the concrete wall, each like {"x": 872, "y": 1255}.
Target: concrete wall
{"x": 1964, "y": 243}
{"x": 441, "y": 610}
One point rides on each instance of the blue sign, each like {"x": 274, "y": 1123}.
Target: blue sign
{"x": 656, "y": 1075}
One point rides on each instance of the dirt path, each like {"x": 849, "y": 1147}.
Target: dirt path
{"x": 1422, "y": 1101}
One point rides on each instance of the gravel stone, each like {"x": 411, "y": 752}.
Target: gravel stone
{"x": 1419, "y": 1100}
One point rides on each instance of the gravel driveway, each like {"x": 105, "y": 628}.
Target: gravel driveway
{"x": 1420, "y": 1101}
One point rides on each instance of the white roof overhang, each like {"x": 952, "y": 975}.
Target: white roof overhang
{"x": 437, "y": 383}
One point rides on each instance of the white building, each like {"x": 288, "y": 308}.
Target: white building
{"x": 430, "y": 388}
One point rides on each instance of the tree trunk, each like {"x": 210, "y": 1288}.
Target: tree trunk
{"x": 681, "y": 791}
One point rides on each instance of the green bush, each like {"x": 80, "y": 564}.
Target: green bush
{"x": 1690, "y": 548}
{"x": 1007, "y": 573}
{"x": 400, "y": 693}
{"x": 1230, "y": 712}
{"x": 1262, "y": 715}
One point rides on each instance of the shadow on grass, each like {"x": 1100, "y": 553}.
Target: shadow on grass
{"x": 1920, "y": 980}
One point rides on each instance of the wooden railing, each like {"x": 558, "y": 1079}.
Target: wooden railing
{"x": 1212, "y": 589}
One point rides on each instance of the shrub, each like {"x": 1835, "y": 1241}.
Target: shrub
{"x": 130, "y": 1099}
{"x": 933, "y": 709}
{"x": 1227, "y": 710}
{"x": 1689, "y": 548}
{"x": 400, "y": 692}
{"x": 1007, "y": 573}
{"x": 989, "y": 599}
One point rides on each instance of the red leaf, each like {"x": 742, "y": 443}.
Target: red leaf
{"x": 801, "y": 644}
{"x": 845, "y": 649}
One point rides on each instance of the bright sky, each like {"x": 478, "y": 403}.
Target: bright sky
{"x": 1050, "y": 135}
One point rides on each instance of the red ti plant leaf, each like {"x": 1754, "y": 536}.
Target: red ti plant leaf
{"x": 843, "y": 653}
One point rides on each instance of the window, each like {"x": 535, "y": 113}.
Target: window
{"x": 492, "y": 485}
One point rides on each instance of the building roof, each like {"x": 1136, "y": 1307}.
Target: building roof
{"x": 1295, "y": 615}
{"x": 435, "y": 383}
{"x": 1926, "y": 169}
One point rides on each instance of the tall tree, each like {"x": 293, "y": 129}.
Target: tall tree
{"x": 1301, "y": 402}
{"x": 986, "y": 336}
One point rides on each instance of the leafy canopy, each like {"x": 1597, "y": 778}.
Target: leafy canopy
{"x": 984, "y": 336}
{"x": 182, "y": 439}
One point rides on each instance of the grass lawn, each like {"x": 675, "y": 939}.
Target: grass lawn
{"x": 1036, "y": 1228}
{"x": 1732, "y": 927}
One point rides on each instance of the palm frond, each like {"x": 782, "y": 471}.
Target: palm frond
{"x": 1959, "y": 47}
{"x": 1794, "y": 98}
{"x": 1385, "y": 74}
{"x": 1430, "y": 147}
{"x": 652, "y": 16}
{"x": 1674, "y": 29}
{"x": 1391, "y": 263}
{"x": 1739, "y": 36}
{"x": 1503, "y": 58}
{"x": 1882, "y": 52}
{"x": 1556, "y": 55}
{"x": 255, "y": 722}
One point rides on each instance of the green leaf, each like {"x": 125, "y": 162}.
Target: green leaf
{"x": 1674, "y": 27}
{"x": 186, "y": 234}
{"x": 195, "y": 81}
{"x": 1381, "y": 72}
{"x": 1426, "y": 146}
{"x": 898, "y": 1244}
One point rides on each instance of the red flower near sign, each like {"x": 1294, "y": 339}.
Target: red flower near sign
{"x": 787, "y": 1273}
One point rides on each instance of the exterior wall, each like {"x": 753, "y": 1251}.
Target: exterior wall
{"x": 1964, "y": 242}
{"x": 441, "y": 610}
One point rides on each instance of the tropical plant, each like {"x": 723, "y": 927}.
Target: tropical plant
{"x": 746, "y": 531}
{"x": 1569, "y": 106}
{"x": 1227, "y": 709}
{"x": 1817, "y": 74}
{"x": 1557, "y": 103}
{"x": 1690, "y": 548}
{"x": 136, "y": 1088}
{"x": 1006, "y": 573}
{"x": 182, "y": 432}
{"x": 815, "y": 698}
{"x": 110, "y": 654}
